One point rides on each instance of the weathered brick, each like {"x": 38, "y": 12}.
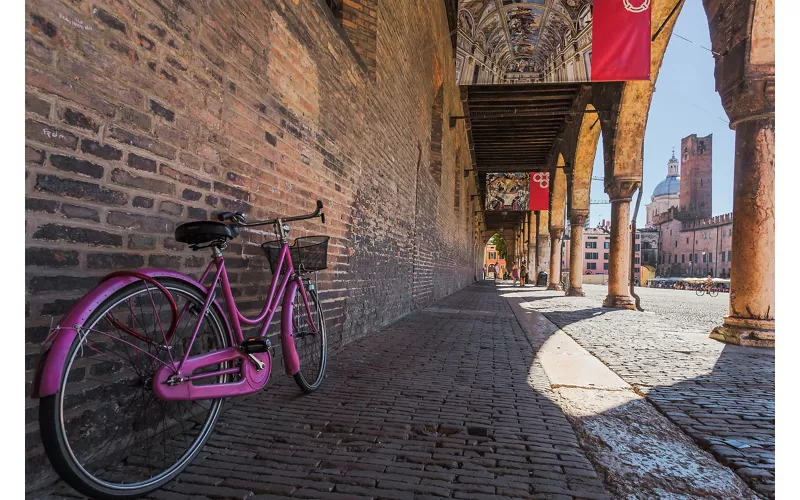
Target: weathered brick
{"x": 39, "y": 205}
{"x": 138, "y": 222}
{"x": 78, "y": 166}
{"x": 141, "y": 242}
{"x": 35, "y": 105}
{"x": 164, "y": 261}
{"x": 93, "y": 237}
{"x": 142, "y": 142}
{"x": 100, "y": 150}
{"x": 135, "y": 118}
{"x": 197, "y": 214}
{"x": 78, "y": 119}
{"x": 143, "y": 202}
{"x": 169, "y": 207}
{"x": 33, "y": 155}
{"x": 42, "y": 25}
{"x": 114, "y": 261}
{"x": 239, "y": 194}
{"x": 141, "y": 163}
{"x": 79, "y": 190}
{"x": 190, "y": 195}
{"x": 50, "y": 257}
{"x": 78, "y": 212}
{"x": 70, "y": 284}
{"x": 109, "y": 20}
{"x": 127, "y": 179}
{"x": 48, "y": 134}
{"x": 161, "y": 110}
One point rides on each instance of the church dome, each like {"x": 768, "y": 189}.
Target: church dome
{"x": 669, "y": 186}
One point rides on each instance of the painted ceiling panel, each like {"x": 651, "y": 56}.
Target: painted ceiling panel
{"x": 520, "y": 34}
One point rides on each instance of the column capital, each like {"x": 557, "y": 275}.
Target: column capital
{"x": 578, "y": 217}
{"x": 622, "y": 189}
{"x": 556, "y": 232}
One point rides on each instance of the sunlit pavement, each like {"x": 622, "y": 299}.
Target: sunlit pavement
{"x": 453, "y": 402}
{"x": 723, "y": 396}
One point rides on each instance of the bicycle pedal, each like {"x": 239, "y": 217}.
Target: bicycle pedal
{"x": 255, "y": 345}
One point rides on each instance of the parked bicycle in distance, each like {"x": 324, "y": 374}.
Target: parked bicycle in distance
{"x": 132, "y": 379}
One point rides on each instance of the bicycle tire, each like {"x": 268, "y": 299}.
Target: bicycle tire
{"x": 714, "y": 293}
{"x": 52, "y": 415}
{"x": 700, "y": 292}
{"x": 311, "y": 368}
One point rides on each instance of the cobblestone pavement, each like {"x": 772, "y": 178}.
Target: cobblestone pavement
{"x": 721, "y": 395}
{"x": 444, "y": 403}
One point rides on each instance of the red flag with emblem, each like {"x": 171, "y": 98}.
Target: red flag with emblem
{"x": 540, "y": 191}
{"x": 620, "y": 40}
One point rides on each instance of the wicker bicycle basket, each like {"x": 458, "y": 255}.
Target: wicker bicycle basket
{"x": 309, "y": 253}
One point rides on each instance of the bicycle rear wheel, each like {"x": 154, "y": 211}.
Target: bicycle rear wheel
{"x": 700, "y": 292}
{"x": 714, "y": 293}
{"x": 104, "y": 431}
{"x": 310, "y": 342}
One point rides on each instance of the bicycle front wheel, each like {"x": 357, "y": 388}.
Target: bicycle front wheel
{"x": 105, "y": 432}
{"x": 714, "y": 293}
{"x": 700, "y": 292}
{"x": 310, "y": 341}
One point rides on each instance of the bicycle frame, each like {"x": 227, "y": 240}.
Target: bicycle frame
{"x": 285, "y": 283}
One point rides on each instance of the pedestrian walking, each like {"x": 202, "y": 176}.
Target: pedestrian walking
{"x": 496, "y": 272}
{"x": 523, "y": 274}
{"x": 515, "y": 274}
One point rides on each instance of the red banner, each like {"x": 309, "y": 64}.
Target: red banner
{"x": 621, "y": 40}
{"x": 540, "y": 191}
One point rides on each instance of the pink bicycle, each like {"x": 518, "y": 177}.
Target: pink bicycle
{"x": 133, "y": 377}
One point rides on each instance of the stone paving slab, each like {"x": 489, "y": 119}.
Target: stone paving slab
{"x": 723, "y": 396}
{"x": 436, "y": 405}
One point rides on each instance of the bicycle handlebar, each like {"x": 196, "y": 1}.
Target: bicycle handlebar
{"x": 240, "y": 219}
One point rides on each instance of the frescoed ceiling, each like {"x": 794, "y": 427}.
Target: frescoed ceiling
{"x": 519, "y": 34}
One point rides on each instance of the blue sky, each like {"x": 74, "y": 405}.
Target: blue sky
{"x": 685, "y": 85}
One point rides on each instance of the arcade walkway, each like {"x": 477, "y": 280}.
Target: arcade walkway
{"x": 452, "y": 401}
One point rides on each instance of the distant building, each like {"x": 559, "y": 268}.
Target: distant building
{"x": 596, "y": 250}
{"x": 491, "y": 256}
{"x": 691, "y": 242}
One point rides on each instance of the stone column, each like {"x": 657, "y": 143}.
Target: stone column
{"x": 576, "y": 221}
{"x": 620, "y": 192}
{"x": 751, "y": 319}
{"x": 556, "y": 233}
{"x": 543, "y": 249}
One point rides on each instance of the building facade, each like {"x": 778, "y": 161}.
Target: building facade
{"x": 491, "y": 257}
{"x": 691, "y": 242}
{"x": 596, "y": 250}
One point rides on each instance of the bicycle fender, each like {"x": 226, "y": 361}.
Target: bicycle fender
{"x": 55, "y": 348}
{"x": 290, "y": 359}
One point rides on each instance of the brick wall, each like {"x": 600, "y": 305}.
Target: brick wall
{"x": 141, "y": 114}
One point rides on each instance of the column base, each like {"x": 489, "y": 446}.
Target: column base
{"x": 619, "y": 302}
{"x": 575, "y": 292}
{"x": 554, "y": 286}
{"x": 746, "y": 332}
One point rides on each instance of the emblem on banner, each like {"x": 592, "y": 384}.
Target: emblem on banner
{"x": 636, "y": 10}
{"x": 542, "y": 179}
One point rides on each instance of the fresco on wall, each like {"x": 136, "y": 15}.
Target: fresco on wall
{"x": 507, "y": 191}
{"x": 541, "y": 41}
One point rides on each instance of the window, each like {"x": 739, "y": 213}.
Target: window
{"x": 492, "y": 255}
{"x": 637, "y": 236}
{"x": 590, "y": 255}
{"x": 605, "y": 266}
{"x": 592, "y": 237}
{"x": 729, "y": 255}
{"x": 683, "y": 259}
{"x": 605, "y": 256}
{"x": 676, "y": 244}
{"x": 591, "y": 265}
{"x": 605, "y": 245}
{"x": 695, "y": 258}
{"x": 591, "y": 244}
{"x": 687, "y": 241}
{"x": 710, "y": 257}
{"x": 636, "y": 260}
{"x": 636, "y": 269}
{"x": 723, "y": 256}
{"x": 676, "y": 258}
{"x": 704, "y": 258}
{"x": 638, "y": 247}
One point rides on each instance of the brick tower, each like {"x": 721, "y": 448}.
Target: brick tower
{"x": 695, "y": 199}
